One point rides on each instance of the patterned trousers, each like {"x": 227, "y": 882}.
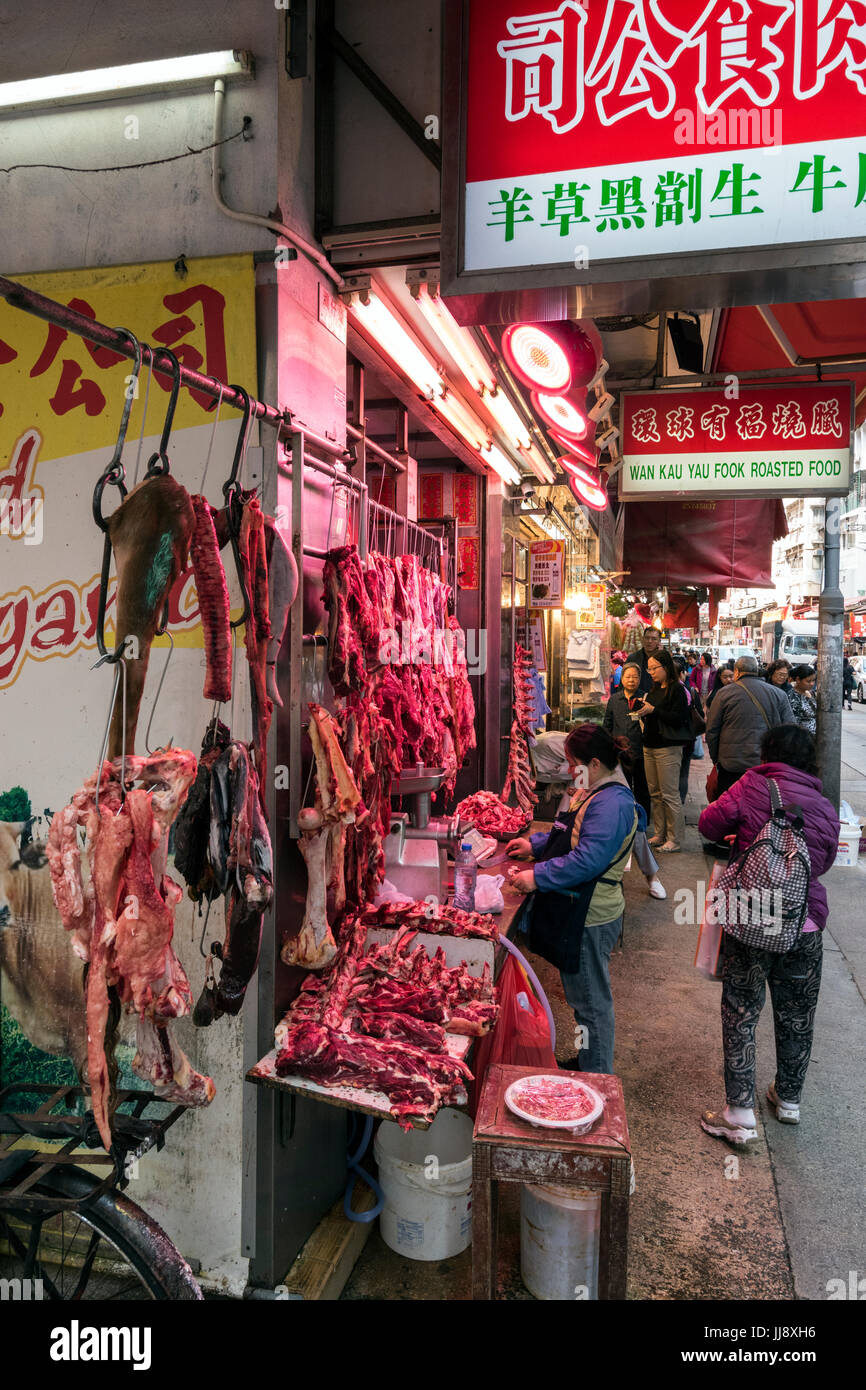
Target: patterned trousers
{"x": 794, "y": 978}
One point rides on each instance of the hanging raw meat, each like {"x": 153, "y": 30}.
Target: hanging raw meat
{"x": 257, "y": 632}
{"x": 123, "y": 918}
{"x": 520, "y": 777}
{"x": 282, "y": 589}
{"x": 150, "y": 534}
{"x": 213, "y": 599}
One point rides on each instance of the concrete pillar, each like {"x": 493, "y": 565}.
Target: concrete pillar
{"x": 831, "y": 624}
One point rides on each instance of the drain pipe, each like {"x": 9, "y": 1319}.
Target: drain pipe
{"x": 305, "y": 247}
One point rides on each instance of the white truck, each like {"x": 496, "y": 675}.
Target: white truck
{"x": 794, "y": 639}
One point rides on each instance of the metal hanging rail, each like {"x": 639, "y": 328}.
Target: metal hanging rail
{"x": 20, "y": 297}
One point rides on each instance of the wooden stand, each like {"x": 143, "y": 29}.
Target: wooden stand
{"x": 507, "y": 1149}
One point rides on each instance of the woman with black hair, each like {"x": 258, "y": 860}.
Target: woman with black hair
{"x": 575, "y": 914}
{"x": 666, "y": 729}
{"x": 802, "y": 700}
{"x": 794, "y": 976}
{"x": 724, "y": 676}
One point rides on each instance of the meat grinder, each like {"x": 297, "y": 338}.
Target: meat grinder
{"x": 416, "y": 850}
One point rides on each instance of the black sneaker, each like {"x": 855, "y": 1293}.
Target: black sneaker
{"x": 572, "y": 1064}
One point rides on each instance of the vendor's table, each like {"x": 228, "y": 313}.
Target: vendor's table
{"x": 507, "y": 1149}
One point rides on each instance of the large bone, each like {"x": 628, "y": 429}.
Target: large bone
{"x": 314, "y": 946}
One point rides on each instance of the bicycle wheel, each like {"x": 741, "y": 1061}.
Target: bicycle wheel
{"x": 109, "y": 1250}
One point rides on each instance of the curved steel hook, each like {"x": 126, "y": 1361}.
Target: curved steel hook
{"x": 114, "y": 471}
{"x": 158, "y": 463}
{"x": 232, "y": 485}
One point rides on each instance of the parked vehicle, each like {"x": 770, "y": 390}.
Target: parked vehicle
{"x": 795, "y": 639}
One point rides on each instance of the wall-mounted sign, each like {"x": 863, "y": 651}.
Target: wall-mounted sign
{"x": 589, "y": 605}
{"x": 596, "y": 135}
{"x": 769, "y": 441}
{"x": 546, "y": 571}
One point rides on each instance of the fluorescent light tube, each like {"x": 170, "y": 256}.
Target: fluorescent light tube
{"x": 500, "y": 464}
{"x": 507, "y": 418}
{"x": 70, "y": 88}
{"x": 468, "y": 426}
{"x": 383, "y": 327}
{"x": 458, "y": 342}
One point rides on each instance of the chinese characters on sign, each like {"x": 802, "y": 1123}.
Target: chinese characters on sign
{"x": 769, "y": 441}
{"x": 627, "y": 128}
{"x": 546, "y": 571}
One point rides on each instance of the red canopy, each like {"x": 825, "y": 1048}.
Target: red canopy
{"x": 726, "y": 544}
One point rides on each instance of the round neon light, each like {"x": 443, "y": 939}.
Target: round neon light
{"x": 585, "y": 483}
{"x": 561, "y": 414}
{"x": 584, "y": 454}
{"x": 537, "y": 357}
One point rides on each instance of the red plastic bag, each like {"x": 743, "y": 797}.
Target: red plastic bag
{"x": 521, "y": 1037}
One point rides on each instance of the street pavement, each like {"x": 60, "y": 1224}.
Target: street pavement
{"x": 777, "y": 1224}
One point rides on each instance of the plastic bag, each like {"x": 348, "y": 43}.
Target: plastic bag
{"x": 521, "y": 1036}
{"x": 710, "y": 934}
{"x": 388, "y": 893}
{"x": 488, "y": 894}
{"x": 698, "y": 748}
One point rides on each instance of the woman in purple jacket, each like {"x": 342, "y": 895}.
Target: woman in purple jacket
{"x": 794, "y": 976}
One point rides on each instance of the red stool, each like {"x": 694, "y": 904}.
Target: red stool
{"x": 507, "y": 1149}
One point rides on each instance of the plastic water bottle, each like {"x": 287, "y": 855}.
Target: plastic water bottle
{"x": 465, "y": 876}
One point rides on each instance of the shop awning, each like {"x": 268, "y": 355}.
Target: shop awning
{"x": 725, "y": 544}
{"x": 781, "y": 335}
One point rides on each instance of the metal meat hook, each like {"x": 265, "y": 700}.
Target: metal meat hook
{"x": 114, "y": 471}
{"x": 158, "y": 463}
{"x": 159, "y": 689}
{"x": 119, "y": 674}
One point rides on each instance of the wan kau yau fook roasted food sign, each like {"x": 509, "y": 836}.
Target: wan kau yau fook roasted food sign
{"x": 761, "y": 441}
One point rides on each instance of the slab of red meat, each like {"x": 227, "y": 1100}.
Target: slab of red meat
{"x": 213, "y": 600}
{"x": 395, "y": 996}
{"x": 415, "y": 1082}
{"x": 125, "y": 916}
{"x": 402, "y": 1028}
{"x": 442, "y": 918}
{"x": 252, "y": 546}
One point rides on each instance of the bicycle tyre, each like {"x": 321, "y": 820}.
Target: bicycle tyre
{"x": 138, "y": 1239}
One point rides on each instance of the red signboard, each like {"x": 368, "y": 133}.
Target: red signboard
{"x": 760, "y": 441}
{"x": 631, "y": 128}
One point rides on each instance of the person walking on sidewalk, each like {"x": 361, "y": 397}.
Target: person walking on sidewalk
{"x": 587, "y": 849}
{"x": 666, "y": 730}
{"x": 702, "y": 677}
{"x": 693, "y": 696}
{"x": 778, "y": 673}
{"x": 621, "y": 720}
{"x": 849, "y": 680}
{"x": 794, "y": 976}
{"x": 738, "y": 719}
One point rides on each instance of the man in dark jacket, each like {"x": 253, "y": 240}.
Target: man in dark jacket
{"x": 739, "y": 717}
{"x": 848, "y": 681}
{"x": 650, "y": 644}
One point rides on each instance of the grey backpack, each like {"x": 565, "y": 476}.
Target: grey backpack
{"x": 762, "y": 895}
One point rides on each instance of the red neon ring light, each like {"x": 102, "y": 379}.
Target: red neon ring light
{"x": 536, "y": 357}
{"x": 583, "y": 454}
{"x": 561, "y": 414}
{"x": 585, "y": 483}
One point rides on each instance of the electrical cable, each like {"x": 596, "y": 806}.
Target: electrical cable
{"x": 356, "y": 1171}
{"x": 148, "y": 163}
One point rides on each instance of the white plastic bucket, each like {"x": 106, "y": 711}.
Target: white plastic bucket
{"x": 849, "y": 846}
{"x": 559, "y": 1236}
{"x": 426, "y": 1178}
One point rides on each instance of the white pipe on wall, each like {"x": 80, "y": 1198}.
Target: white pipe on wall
{"x": 305, "y": 247}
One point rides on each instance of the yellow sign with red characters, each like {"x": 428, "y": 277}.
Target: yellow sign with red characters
{"x": 61, "y": 399}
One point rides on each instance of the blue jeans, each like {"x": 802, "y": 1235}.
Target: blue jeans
{"x": 588, "y": 993}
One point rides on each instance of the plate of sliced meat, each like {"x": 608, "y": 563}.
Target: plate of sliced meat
{"x": 555, "y": 1102}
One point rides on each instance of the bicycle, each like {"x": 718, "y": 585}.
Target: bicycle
{"x": 71, "y": 1229}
